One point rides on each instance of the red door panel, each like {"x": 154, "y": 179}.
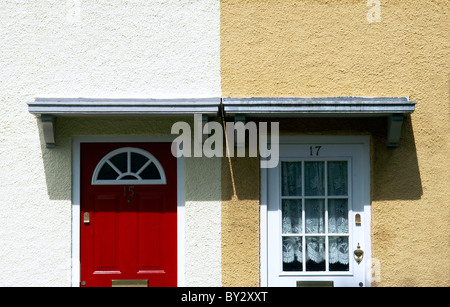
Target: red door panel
{"x": 149, "y": 241}
{"x": 132, "y": 229}
{"x": 103, "y": 226}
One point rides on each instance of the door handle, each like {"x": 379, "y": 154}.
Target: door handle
{"x": 358, "y": 254}
{"x": 86, "y": 218}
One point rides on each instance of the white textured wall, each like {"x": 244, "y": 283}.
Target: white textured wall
{"x": 102, "y": 48}
{"x": 203, "y": 222}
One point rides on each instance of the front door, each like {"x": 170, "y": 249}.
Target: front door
{"x": 317, "y": 215}
{"x": 128, "y": 215}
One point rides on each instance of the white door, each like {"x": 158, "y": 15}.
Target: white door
{"x": 318, "y": 213}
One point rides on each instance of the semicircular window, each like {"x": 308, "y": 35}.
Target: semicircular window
{"x": 128, "y": 165}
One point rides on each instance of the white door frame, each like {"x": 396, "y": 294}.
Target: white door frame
{"x": 76, "y": 166}
{"x": 365, "y": 192}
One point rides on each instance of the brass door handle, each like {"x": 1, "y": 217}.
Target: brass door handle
{"x": 359, "y": 254}
{"x": 86, "y": 218}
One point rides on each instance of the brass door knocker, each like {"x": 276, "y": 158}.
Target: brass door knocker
{"x": 359, "y": 254}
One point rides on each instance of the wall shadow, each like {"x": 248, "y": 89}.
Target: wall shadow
{"x": 57, "y": 165}
{"x": 58, "y": 160}
{"x": 394, "y": 171}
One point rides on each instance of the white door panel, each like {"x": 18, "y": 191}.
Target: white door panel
{"x": 312, "y": 198}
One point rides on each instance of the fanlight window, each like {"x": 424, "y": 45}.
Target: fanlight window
{"x": 128, "y": 166}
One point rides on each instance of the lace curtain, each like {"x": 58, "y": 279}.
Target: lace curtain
{"x": 315, "y": 213}
{"x": 315, "y": 245}
{"x": 337, "y": 178}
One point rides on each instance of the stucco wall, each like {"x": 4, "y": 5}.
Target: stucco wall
{"x": 310, "y": 48}
{"x": 240, "y": 222}
{"x": 107, "y": 49}
{"x": 211, "y": 48}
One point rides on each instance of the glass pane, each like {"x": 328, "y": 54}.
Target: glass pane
{"x": 137, "y": 161}
{"x": 291, "y": 174}
{"x": 315, "y": 254}
{"x": 292, "y": 254}
{"x": 337, "y": 178}
{"x": 120, "y": 161}
{"x": 107, "y": 173}
{"x": 150, "y": 172}
{"x": 292, "y": 216}
{"x": 314, "y": 178}
{"x": 337, "y": 216}
{"x": 315, "y": 215}
{"x": 338, "y": 253}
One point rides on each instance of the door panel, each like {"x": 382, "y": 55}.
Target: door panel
{"x": 313, "y": 196}
{"x": 103, "y": 224}
{"x": 132, "y": 228}
{"x": 149, "y": 241}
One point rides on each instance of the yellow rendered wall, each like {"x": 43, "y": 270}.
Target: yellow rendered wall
{"x": 323, "y": 48}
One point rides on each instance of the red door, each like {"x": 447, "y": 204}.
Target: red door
{"x": 128, "y": 215}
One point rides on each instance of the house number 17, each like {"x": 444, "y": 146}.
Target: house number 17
{"x": 314, "y": 150}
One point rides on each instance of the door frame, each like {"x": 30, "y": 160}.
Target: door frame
{"x": 366, "y": 180}
{"x": 76, "y": 189}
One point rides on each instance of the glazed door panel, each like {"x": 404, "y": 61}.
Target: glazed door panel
{"x": 316, "y": 216}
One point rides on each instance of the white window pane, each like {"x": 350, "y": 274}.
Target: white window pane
{"x": 315, "y": 254}
{"x": 338, "y": 253}
{"x": 338, "y": 216}
{"x": 337, "y": 178}
{"x": 291, "y": 174}
{"x": 292, "y": 254}
{"x": 314, "y": 178}
{"x": 292, "y": 216}
{"x": 315, "y": 215}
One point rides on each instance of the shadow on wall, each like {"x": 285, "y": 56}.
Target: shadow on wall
{"x": 395, "y": 171}
{"x": 57, "y": 166}
{"x": 58, "y": 160}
